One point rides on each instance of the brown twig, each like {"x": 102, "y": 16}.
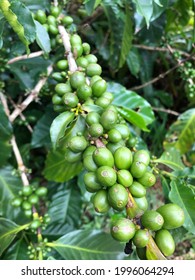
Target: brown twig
{"x": 161, "y": 76}
{"x": 166, "y": 111}
{"x": 21, "y": 166}
{"x": 22, "y": 57}
{"x": 67, "y": 46}
{"x": 149, "y": 48}
{"x": 31, "y": 97}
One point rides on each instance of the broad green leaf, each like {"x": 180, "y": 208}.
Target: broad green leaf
{"x": 8, "y": 231}
{"x": 115, "y": 22}
{"x": 127, "y": 36}
{"x": 5, "y": 152}
{"x": 20, "y": 19}
{"x": 130, "y": 100}
{"x": 59, "y": 126}
{"x": 42, "y": 37}
{"x": 133, "y": 118}
{"x": 28, "y": 71}
{"x": 181, "y": 134}
{"x": 65, "y": 206}
{"x": 78, "y": 125}
{"x": 91, "y": 5}
{"x": 133, "y": 62}
{"x": 56, "y": 230}
{"x": 165, "y": 186}
{"x": 184, "y": 197}
{"x": 41, "y": 133}
{"x": 57, "y": 169}
{"x": 37, "y": 4}
{"x": 145, "y": 9}
{"x": 187, "y": 175}
{"x": 5, "y": 125}
{"x": 17, "y": 251}
{"x": 172, "y": 158}
{"x": 88, "y": 245}
{"x": 9, "y": 188}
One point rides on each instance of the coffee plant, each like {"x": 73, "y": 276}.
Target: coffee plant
{"x": 90, "y": 169}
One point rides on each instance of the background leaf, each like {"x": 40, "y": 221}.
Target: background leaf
{"x": 42, "y": 37}
{"x": 8, "y": 231}
{"x": 17, "y": 251}
{"x": 59, "y": 126}
{"x": 130, "y": 100}
{"x": 181, "y": 134}
{"x": 88, "y": 245}
{"x": 184, "y": 197}
{"x": 172, "y": 158}
{"x": 57, "y": 169}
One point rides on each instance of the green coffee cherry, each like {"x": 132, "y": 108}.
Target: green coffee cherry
{"x": 27, "y": 190}
{"x": 117, "y": 197}
{"x": 89, "y": 151}
{"x": 41, "y": 191}
{"x": 152, "y": 220}
{"x": 123, "y": 230}
{"x": 56, "y": 99}
{"x": 123, "y": 129}
{"x": 70, "y": 99}
{"x": 62, "y": 64}
{"x": 172, "y": 214}
{"x": 142, "y": 203}
{"x": 91, "y": 58}
{"x": 41, "y": 16}
{"x": 94, "y": 79}
{"x": 137, "y": 190}
{"x": 77, "y": 79}
{"x": 96, "y": 130}
{"x": 26, "y": 205}
{"x": 77, "y": 50}
{"x": 114, "y": 146}
{"x": 108, "y": 119}
{"x": 72, "y": 157}
{"x": 33, "y": 199}
{"x": 89, "y": 163}
{"x": 147, "y": 180}
{"x": 106, "y": 176}
{"x": 142, "y": 156}
{"x": 67, "y": 20}
{"x": 86, "y": 48}
{"x": 92, "y": 117}
{"x": 53, "y": 29}
{"x": 63, "y": 88}
{"x": 138, "y": 169}
{"x": 91, "y": 182}
{"x": 108, "y": 95}
{"x": 123, "y": 158}
{"x": 55, "y": 11}
{"x": 77, "y": 144}
{"x": 100, "y": 201}
{"x": 165, "y": 242}
{"x": 84, "y": 92}
{"x": 102, "y": 102}
{"x": 99, "y": 87}
{"x": 93, "y": 69}
{"x": 16, "y": 202}
{"x": 82, "y": 62}
{"x": 57, "y": 77}
{"x": 114, "y": 135}
{"x": 35, "y": 224}
{"x": 124, "y": 178}
{"x": 102, "y": 156}
{"x": 75, "y": 39}
{"x": 141, "y": 238}
{"x": 28, "y": 213}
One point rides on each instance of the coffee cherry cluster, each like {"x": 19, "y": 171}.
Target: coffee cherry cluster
{"x": 27, "y": 197}
{"x": 116, "y": 174}
{"x": 40, "y": 248}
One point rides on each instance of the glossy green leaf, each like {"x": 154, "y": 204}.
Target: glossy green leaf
{"x": 57, "y": 169}
{"x": 5, "y": 152}
{"x": 17, "y": 251}
{"x": 41, "y": 131}
{"x": 172, "y": 158}
{"x": 91, "y": 5}
{"x": 133, "y": 118}
{"x": 8, "y": 231}
{"x": 127, "y": 36}
{"x": 42, "y": 37}
{"x": 10, "y": 185}
{"x": 37, "y": 4}
{"x": 184, "y": 197}
{"x": 88, "y": 245}
{"x": 5, "y": 125}
{"x": 144, "y": 8}
{"x": 130, "y": 100}
{"x": 133, "y": 62}
{"x": 181, "y": 134}
{"x": 59, "y": 126}
{"x": 187, "y": 175}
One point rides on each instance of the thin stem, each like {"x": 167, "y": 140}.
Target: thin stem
{"x": 20, "y": 163}
{"x": 161, "y": 76}
{"x": 31, "y": 97}
{"x": 22, "y": 57}
{"x": 166, "y": 111}
{"x": 67, "y": 46}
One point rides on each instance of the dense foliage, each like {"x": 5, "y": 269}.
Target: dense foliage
{"x": 97, "y": 129}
